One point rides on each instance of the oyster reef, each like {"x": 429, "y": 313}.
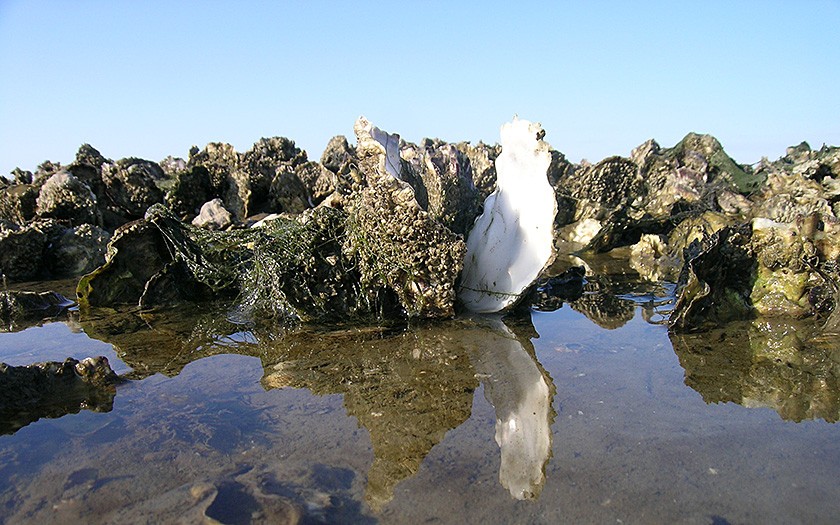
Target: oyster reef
{"x": 161, "y": 318}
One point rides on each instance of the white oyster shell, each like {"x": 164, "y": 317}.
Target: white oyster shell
{"x": 512, "y": 240}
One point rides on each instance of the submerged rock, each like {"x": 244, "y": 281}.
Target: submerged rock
{"x": 29, "y": 393}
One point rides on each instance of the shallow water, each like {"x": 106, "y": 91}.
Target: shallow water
{"x": 554, "y": 418}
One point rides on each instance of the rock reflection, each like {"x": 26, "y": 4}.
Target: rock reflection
{"x": 772, "y": 363}
{"x": 407, "y": 387}
{"x": 521, "y": 391}
{"x": 165, "y": 341}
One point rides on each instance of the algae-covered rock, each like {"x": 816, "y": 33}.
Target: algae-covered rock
{"x": 136, "y": 252}
{"x": 716, "y": 281}
{"x": 399, "y": 245}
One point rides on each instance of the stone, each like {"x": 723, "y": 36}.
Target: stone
{"x": 87, "y": 167}
{"x": 65, "y": 198}
{"x": 213, "y": 216}
{"x": 511, "y": 242}
{"x": 190, "y": 190}
{"x": 79, "y": 250}
{"x": 130, "y": 187}
{"x": 483, "y": 163}
{"x": 22, "y": 252}
{"x": 318, "y": 181}
{"x": 18, "y": 202}
{"x": 447, "y": 179}
{"x": 337, "y": 154}
{"x": 287, "y": 193}
{"x": 602, "y": 195}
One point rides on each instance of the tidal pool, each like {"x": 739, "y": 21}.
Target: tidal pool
{"x": 586, "y": 414}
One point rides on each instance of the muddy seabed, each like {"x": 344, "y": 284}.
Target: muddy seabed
{"x": 408, "y": 425}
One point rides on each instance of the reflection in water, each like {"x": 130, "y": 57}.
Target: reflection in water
{"x": 407, "y": 387}
{"x": 771, "y": 363}
{"x": 521, "y": 391}
{"x": 407, "y": 390}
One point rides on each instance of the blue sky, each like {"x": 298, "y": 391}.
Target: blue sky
{"x": 151, "y": 78}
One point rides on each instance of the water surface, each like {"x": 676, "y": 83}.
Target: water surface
{"x": 587, "y": 414}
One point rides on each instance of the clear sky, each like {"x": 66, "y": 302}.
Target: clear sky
{"x": 151, "y": 78}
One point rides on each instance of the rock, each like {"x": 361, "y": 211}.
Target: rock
{"x": 213, "y": 216}
{"x": 696, "y": 228}
{"x": 65, "y": 198}
{"x": 447, "y": 179}
{"x": 786, "y": 255}
{"x": 653, "y": 260}
{"x": 88, "y": 168}
{"x": 22, "y": 252}
{"x": 397, "y": 244}
{"x": 287, "y": 193}
{"x": 171, "y": 166}
{"x": 29, "y": 393}
{"x": 512, "y": 240}
{"x": 137, "y": 251}
{"x": 18, "y": 203}
{"x": 318, "y": 181}
{"x": 262, "y": 164}
{"x": 131, "y": 187}
{"x": 787, "y": 196}
{"x": 20, "y": 176}
{"x": 79, "y": 250}
{"x": 190, "y": 190}
{"x": 18, "y": 307}
{"x": 703, "y": 154}
{"x": 483, "y": 163}
{"x": 337, "y": 154}
{"x": 44, "y": 171}
{"x": 716, "y": 281}
{"x": 603, "y": 194}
